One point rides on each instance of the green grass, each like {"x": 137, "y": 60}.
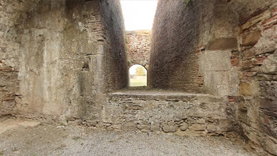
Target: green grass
{"x": 135, "y": 82}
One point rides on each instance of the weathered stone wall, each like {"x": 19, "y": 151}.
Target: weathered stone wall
{"x": 257, "y": 106}
{"x": 170, "y": 112}
{"x": 11, "y": 14}
{"x": 191, "y": 47}
{"x": 58, "y": 40}
{"x": 115, "y": 64}
{"x": 218, "y": 45}
{"x": 138, "y": 47}
{"x": 109, "y": 62}
{"x": 173, "y": 61}
{"x": 59, "y": 56}
{"x": 226, "y": 48}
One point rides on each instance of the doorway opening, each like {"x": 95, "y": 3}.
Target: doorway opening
{"x": 137, "y": 76}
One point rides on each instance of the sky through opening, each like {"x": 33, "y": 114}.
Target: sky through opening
{"x": 138, "y": 14}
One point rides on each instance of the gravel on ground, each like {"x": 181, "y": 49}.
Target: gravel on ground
{"x": 47, "y": 139}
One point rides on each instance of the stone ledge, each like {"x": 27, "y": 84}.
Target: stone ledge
{"x": 159, "y": 94}
{"x": 165, "y": 111}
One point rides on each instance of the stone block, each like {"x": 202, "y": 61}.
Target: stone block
{"x": 269, "y": 106}
{"x": 212, "y": 128}
{"x": 256, "y": 19}
{"x": 198, "y": 127}
{"x": 265, "y": 45}
{"x": 251, "y": 133}
{"x": 245, "y": 89}
{"x": 184, "y": 127}
{"x": 144, "y": 127}
{"x": 248, "y": 88}
{"x": 223, "y": 44}
{"x": 155, "y": 127}
{"x": 250, "y": 38}
{"x": 129, "y": 126}
{"x": 221, "y": 83}
{"x": 247, "y": 64}
{"x": 269, "y": 64}
{"x": 215, "y": 61}
{"x": 269, "y": 123}
{"x": 249, "y": 53}
{"x": 270, "y": 145}
{"x": 169, "y": 127}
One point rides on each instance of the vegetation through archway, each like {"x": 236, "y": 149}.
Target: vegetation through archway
{"x": 137, "y": 76}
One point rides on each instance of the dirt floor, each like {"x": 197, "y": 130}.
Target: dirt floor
{"x": 31, "y": 138}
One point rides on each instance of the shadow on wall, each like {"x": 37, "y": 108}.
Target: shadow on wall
{"x": 137, "y": 76}
{"x": 175, "y": 33}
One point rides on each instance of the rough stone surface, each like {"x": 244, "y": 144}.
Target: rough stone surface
{"x": 184, "y": 127}
{"x": 190, "y": 53}
{"x": 256, "y": 111}
{"x": 174, "y": 37}
{"x": 115, "y": 71}
{"x": 223, "y": 44}
{"x": 251, "y": 38}
{"x": 138, "y": 47}
{"x": 57, "y": 55}
{"x": 229, "y": 52}
{"x": 10, "y": 17}
{"x": 170, "y": 111}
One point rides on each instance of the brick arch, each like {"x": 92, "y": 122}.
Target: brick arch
{"x": 133, "y": 76}
{"x": 138, "y": 47}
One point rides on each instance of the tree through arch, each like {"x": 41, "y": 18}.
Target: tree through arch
{"x": 137, "y": 76}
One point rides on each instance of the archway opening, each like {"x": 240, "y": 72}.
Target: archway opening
{"x": 138, "y": 20}
{"x": 137, "y": 76}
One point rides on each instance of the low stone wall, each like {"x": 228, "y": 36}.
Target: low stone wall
{"x": 170, "y": 112}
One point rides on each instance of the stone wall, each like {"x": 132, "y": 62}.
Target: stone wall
{"x": 175, "y": 35}
{"x": 226, "y": 48}
{"x": 58, "y": 40}
{"x": 192, "y": 46}
{"x": 59, "y": 59}
{"x": 169, "y": 112}
{"x": 257, "y": 107}
{"x": 220, "y": 75}
{"x": 115, "y": 64}
{"x": 11, "y": 14}
{"x": 109, "y": 62}
{"x": 138, "y": 47}
{"x": 58, "y": 56}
